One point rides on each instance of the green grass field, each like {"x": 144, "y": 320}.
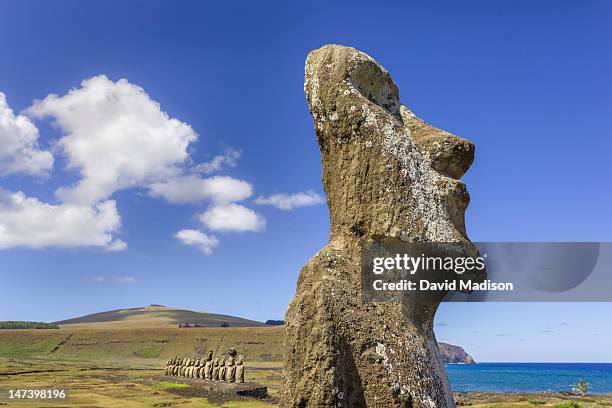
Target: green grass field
{"x": 115, "y": 367}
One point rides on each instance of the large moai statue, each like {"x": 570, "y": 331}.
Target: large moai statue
{"x": 196, "y": 371}
{"x": 172, "y": 367}
{"x": 240, "y": 369}
{"x": 177, "y": 366}
{"x": 222, "y": 369}
{"x": 189, "y": 368}
{"x": 230, "y": 374}
{"x": 199, "y": 368}
{"x": 208, "y": 366}
{"x": 388, "y": 176}
{"x": 194, "y": 367}
{"x": 215, "y": 370}
{"x": 185, "y": 364}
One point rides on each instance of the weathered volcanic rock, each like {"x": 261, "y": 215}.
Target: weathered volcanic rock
{"x": 388, "y": 176}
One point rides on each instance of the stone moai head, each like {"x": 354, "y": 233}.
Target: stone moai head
{"x": 240, "y": 359}
{"x": 216, "y": 362}
{"x": 371, "y": 143}
{"x": 388, "y": 175}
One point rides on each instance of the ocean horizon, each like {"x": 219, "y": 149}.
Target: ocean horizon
{"x": 529, "y": 377}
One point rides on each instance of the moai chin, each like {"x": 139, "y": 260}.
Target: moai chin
{"x": 388, "y": 175}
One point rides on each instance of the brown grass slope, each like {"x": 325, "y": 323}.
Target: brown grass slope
{"x": 147, "y": 346}
{"x": 153, "y": 317}
{"x": 150, "y": 346}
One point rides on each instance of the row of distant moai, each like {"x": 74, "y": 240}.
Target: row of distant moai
{"x": 227, "y": 369}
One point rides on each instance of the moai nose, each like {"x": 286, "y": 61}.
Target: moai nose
{"x": 450, "y": 155}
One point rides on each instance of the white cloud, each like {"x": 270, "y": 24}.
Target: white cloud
{"x": 98, "y": 279}
{"x": 19, "y": 150}
{"x": 205, "y": 243}
{"x": 124, "y": 280}
{"x": 193, "y": 189}
{"x": 229, "y": 159}
{"x": 232, "y": 218}
{"x": 291, "y": 201}
{"x": 116, "y": 136}
{"x": 28, "y": 222}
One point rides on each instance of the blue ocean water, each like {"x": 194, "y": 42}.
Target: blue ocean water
{"x": 529, "y": 377}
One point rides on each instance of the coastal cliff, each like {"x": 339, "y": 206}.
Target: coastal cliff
{"x": 454, "y": 354}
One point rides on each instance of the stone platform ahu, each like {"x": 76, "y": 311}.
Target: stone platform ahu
{"x": 389, "y": 176}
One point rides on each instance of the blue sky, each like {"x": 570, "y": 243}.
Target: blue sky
{"x": 527, "y": 82}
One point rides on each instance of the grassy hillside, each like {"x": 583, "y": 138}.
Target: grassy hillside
{"x": 153, "y": 332}
{"x": 117, "y": 367}
{"x": 148, "y": 346}
{"x": 153, "y": 317}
